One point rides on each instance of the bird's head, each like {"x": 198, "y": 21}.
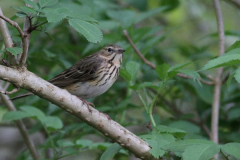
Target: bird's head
{"x": 111, "y": 51}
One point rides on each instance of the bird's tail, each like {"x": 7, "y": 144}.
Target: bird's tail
{"x": 21, "y": 96}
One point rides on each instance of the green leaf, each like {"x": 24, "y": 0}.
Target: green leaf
{"x": 81, "y": 17}
{"x": 49, "y": 54}
{"x": 15, "y": 115}
{"x": 230, "y": 58}
{"x": 64, "y": 143}
{"x": 237, "y": 75}
{"x": 142, "y": 85}
{"x": 126, "y": 18}
{"x": 125, "y": 74}
{"x": 91, "y": 32}
{"x": 234, "y": 46}
{"x": 232, "y": 149}
{"x": 149, "y": 13}
{"x": 230, "y": 78}
{"x": 26, "y": 10}
{"x": 44, "y": 3}
{"x": 162, "y": 71}
{"x": 180, "y": 146}
{"x": 200, "y": 152}
{"x": 132, "y": 68}
{"x": 53, "y": 122}
{"x": 174, "y": 131}
{"x": 157, "y": 141}
{"x": 21, "y": 14}
{"x": 33, "y": 111}
{"x": 175, "y": 69}
{"x": 14, "y": 50}
{"x": 54, "y": 15}
{"x": 234, "y": 114}
{"x": 32, "y": 4}
{"x": 82, "y": 143}
{"x": 186, "y": 126}
{"x": 111, "y": 151}
{"x": 190, "y": 73}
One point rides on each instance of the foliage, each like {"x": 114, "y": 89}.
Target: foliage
{"x": 179, "y": 109}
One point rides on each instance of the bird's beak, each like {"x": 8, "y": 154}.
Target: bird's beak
{"x": 120, "y": 51}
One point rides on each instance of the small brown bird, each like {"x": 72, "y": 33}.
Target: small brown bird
{"x": 90, "y": 76}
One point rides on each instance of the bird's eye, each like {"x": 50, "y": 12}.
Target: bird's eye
{"x": 109, "y": 49}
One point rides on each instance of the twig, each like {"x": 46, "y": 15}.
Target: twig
{"x": 25, "y": 36}
{"x": 11, "y": 92}
{"x": 218, "y": 83}
{"x": 153, "y": 66}
{"x": 7, "y": 39}
{"x": 234, "y": 2}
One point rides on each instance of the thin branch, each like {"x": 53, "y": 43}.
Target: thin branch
{"x": 234, "y": 2}
{"x": 25, "y": 36}
{"x": 76, "y": 107}
{"x": 7, "y": 39}
{"x": 218, "y": 83}
{"x": 10, "y": 92}
{"x": 153, "y": 66}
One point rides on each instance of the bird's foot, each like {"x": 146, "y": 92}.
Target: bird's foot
{"x": 88, "y": 104}
{"x": 6, "y": 63}
{"x": 108, "y": 117}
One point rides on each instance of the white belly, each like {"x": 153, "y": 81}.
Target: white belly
{"x": 87, "y": 90}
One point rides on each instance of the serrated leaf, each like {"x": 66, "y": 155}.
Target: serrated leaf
{"x": 232, "y": 149}
{"x": 190, "y": 73}
{"x": 89, "y": 31}
{"x": 53, "y": 122}
{"x": 81, "y": 17}
{"x": 230, "y": 58}
{"x": 26, "y": 10}
{"x": 33, "y": 111}
{"x": 83, "y": 143}
{"x": 15, "y": 115}
{"x": 21, "y": 14}
{"x": 174, "y": 131}
{"x": 178, "y": 66}
{"x": 186, "y": 126}
{"x": 200, "y": 152}
{"x": 14, "y": 50}
{"x": 44, "y": 3}
{"x": 180, "y": 146}
{"x": 54, "y": 15}
{"x": 132, "y": 68}
{"x": 162, "y": 71}
{"x": 32, "y": 4}
{"x": 125, "y": 74}
{"x": 234, "y": 46}
{"x": 142, "y": 85}
{"x": 157, "y": 141}
{"x": 111, "y": 151}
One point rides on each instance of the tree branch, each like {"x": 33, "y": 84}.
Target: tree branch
{"x": 218, "y": 83}
{"x": 153, "y": 66}
{"x": 7, "y": 38}
{"x": 75, "y": 106}
{"x": 25, "y": 36}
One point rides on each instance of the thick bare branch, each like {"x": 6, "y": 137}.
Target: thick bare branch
{"x": 218, "y": 83}
{"x": 75, "y": 106}
{"x": 153, "y": 66}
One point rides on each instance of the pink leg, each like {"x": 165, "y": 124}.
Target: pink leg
{"x": 87, "y": 103}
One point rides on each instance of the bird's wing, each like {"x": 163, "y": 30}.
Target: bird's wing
{"x": 83, "y": 70}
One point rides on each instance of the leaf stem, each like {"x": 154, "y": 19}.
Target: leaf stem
{"x": 51, "y": 140}
{"x": 224, "y": 155}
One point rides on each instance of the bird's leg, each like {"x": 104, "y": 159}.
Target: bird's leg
{"x": 108, "y": 117}
{"x": 87, "y": 103}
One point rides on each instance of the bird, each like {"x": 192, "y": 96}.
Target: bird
{"x": 91, "y": 76}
